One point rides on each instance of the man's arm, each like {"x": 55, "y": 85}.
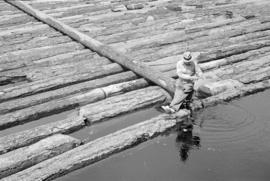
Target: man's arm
{"x": 184, "y": 76}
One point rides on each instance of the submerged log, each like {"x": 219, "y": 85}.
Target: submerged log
{"x": 98, "y": 149}
{"x": 147, "y": 72}
{"x": 26, "y": 157}
{"x": 72, "y": 123}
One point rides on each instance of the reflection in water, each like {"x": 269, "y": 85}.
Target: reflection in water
{"x": 186, "y": 140}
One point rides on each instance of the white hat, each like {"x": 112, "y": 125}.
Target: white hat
{"x": 187, "y": 56}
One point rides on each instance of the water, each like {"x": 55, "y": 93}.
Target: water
{"x": 231, "y": 142}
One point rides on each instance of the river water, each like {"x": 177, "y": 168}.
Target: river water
{"x": 229, "y": 142}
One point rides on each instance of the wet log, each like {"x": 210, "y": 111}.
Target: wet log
{"x": 56, "y": 106}
{"x": 233, "y": 94}
{"x": 81, "y": 88}
{"x": 146, "y": 72}
{"x": 72, "y": 123}
{"x": 98, "y": 149}
{"x": 26, "y": 157}
{"x": 57, "y": 82}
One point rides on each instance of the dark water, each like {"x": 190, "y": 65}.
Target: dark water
{"x": 231, "y": 142}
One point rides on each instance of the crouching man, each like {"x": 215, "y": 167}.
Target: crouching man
{"x": 188, "y": 72}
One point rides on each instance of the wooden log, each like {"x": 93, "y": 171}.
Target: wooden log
{"x": 39, "y": 53}
{"x": 124, "y": 103}
{"x": 72, "y": 123}
{"x": 98, "y": 149}
{"x": 81, "y": 88}
{"x": 56, "y": 106}
{"x": 102, "y": 49}
{"x": 35, "y": 73}
{"x": 35, "y": 43}
{"x": 233, "y": 94}
{"x": 56, "y": 82}
{"x": 26, "y": 157}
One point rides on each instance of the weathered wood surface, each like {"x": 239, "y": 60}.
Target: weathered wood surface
{"x": 102, "y": 49}
{"x": 26, "y": 157}
{"x": 97, "y": 150}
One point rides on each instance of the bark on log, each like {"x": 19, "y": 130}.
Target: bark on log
{"x": 26, "y": 157}
{"x": 57, "y": 82}
{"x": 81, "y": 88}
{"x": 72, "y": 123}
{"x": 147, "y": 72}
{"x": 98, "y": 149}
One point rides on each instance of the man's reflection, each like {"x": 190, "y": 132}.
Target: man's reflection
{"x": 186, "y": 140}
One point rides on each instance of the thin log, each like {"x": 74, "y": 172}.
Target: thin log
{"x": 72, "y": 123}
{"x": 26, "y": 157}
{"x": 146, "y": 72}
{"x": 98, "y": 149}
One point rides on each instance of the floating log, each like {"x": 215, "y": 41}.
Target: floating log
{"x": 98, "y": 149}
{"x": 124, "y": 103}
{"x": 35, "y": 112}
{"x": 26, "y": 157}
{"x": 57, "y": 82}
{"x": 81, "y": 88}
{"x": 146, "y": 72}
{"x": 72, "y": 123}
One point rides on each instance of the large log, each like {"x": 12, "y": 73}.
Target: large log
{"x": 81, "y": 88}
{"x": 57, "y": 82}
{"x": 146, "y": 72}
{"x": 72, "y": 123}
{"x": 26, "y": 157}
{"x": 41, "y": 110}
{"x": 98, "y": 149}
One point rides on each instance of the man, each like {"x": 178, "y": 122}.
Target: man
{"x": 188, "y": 72}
